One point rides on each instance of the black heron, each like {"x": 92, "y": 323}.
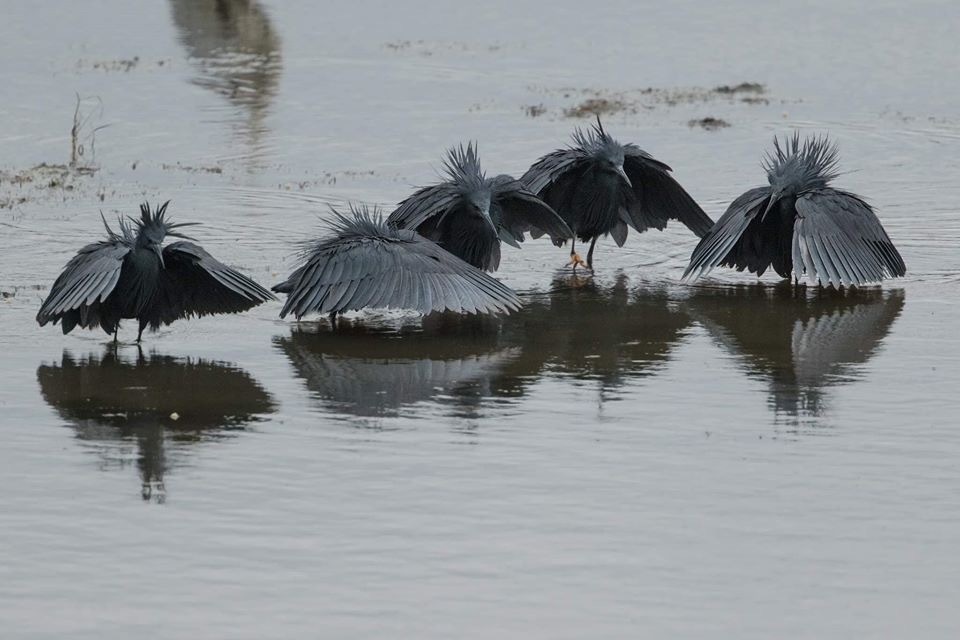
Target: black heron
{"x": 132, "y": 275}
{"x": 469, "y": 214}
{"x": 600, "y": 186}
{"x": 367, "y": 263}
{"x": 800, "y": 225}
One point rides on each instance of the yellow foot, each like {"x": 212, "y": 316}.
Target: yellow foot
{"x": 577, "y": 261}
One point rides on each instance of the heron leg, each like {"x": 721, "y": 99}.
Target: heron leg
{"x": 593, "y": 243}
{"x": 575, "y": 258}
{"x": 116, "y": 330}
{"x": 333, "y": 320}
{"x": 143, "y": 325}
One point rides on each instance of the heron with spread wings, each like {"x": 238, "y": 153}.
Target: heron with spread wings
{"x": 469, "y": 214}
{"x": 365, "y": 263}
{"x": 132, "y": 275}
{"x": 799, "y": 225}
{"x": 600, "y": 186}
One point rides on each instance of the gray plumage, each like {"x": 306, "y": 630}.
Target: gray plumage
{"x": 367, "y": 263}
{"x": 600, "y": 186}
{"x": 469, "y": 214}
{"x": 131, "y": 274}
{"x": 799, "y": 225}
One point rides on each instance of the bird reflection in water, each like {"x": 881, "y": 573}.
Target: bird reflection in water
{"x": 800, "y": 342}
{"x": 157, "y": 403}
{"x": 236, "y": 51}
{"x": 463, "y": 365}
{"x": 594, "y": 332}
{"x": 375, "y": 372}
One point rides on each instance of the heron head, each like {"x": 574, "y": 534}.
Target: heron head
{"x": 606, "y": 152}
{"x": 478, "y": 204}
{"x": 795, "y": 166}
{"x": 617, "y": 167}
{"x": 152, "y": 228}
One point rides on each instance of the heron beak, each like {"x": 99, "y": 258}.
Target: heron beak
{"x": 485, "y": 214}
{"x": 623, "y": 176}
{"x": 774, "y": 198}
{"x": 159, "y": 251}
{"x": 506, "y": 236}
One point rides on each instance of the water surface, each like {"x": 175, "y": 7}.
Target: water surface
{"x": 627, "y": 456}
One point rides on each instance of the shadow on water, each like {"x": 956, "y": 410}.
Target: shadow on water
{"x": 236, "y": 51}
{"x": 800, "y": 342}
{"x": 603, "y": 335}
{"x": 157, "y": 403}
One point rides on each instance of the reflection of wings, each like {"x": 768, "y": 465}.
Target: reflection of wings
{"x": 371, "y": 374}
{"x": 110, "y": 399}
{"x": 799, "y": 345}
{"x": 236, "y": 49}
{"x": 824, "y": 345}
{"x": 609, "y": 334}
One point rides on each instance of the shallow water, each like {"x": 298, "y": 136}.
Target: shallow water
{"x": 627, "y": 456}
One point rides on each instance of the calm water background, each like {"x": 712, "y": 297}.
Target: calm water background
{"x": 630, "y": 456}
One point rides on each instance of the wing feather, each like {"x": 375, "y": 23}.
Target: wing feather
{"x": 839, "y": 228}
{"x": 551, "y": 168}
{"x": 715, "y": 247}
{"x": 424, "y": 204}
{"x": 88, "y": 278}
{"x": 371, "y": 264}
{"x": 521, "y": 211}
{"x": 659, "y": 197}
{"x": 194, "y": 283}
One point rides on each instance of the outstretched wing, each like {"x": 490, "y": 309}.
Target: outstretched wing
{"x": 194, "y": 283}
{"x": 86, "y": 281}
{"x": 658, "y": 197}
{"x": 516, "y": 210}
{"x": 722, "y": 245}
{"x": 550, "y": 168}
{"x": 380, "y": 267}
{"x": 424, "y": 205}
{"x": 838, "y": 239}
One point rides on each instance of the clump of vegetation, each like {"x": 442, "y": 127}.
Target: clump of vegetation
{"x": 709, "y": 123}
{"x": 535, "y": 110}
{"x": 593, "y": 102}
{"x": 190, "y": 169}
{"x": 597, "y": 106}
{"x": 743, "y": 87}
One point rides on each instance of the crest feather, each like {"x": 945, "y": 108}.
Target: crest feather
{"x": 810, "y": 163}
{"x": 462, "y": 166}
{"x": 156, "y": 221}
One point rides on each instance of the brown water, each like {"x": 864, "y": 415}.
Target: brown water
{"x": 629, "y": 456}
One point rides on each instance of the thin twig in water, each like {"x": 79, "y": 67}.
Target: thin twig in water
{"x": 77, "y": 148}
